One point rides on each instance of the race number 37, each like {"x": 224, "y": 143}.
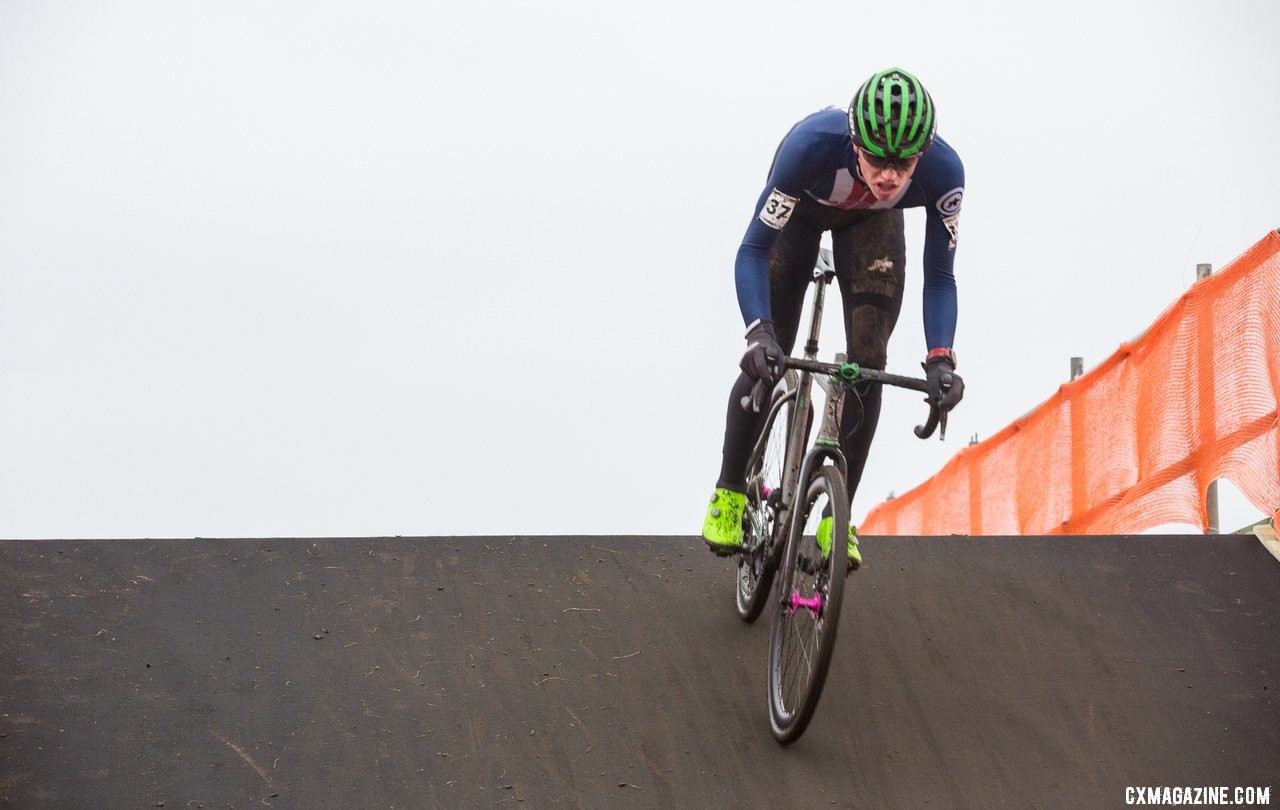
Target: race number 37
{"x": 777, "y": 209}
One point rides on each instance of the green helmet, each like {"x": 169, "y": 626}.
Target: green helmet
{"x": 891, "y": 115}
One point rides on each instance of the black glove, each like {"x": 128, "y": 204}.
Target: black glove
{"x": 763, "y": 358}
{"x": 946, "y": 389}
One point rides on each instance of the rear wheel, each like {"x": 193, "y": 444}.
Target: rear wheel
{"x": 762, "y": 536}
{"x": 807, "y": 608}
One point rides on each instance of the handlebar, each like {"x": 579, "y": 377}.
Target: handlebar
{"x": 850, "y": 373}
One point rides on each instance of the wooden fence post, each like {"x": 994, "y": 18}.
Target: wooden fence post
{"x": 1203, "y": 271}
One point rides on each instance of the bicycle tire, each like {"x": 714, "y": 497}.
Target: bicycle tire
{"x": 803, "y": 638}
{"x": 756, "y": 569}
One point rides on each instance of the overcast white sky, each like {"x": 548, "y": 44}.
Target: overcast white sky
{"x": 357, "y": 268}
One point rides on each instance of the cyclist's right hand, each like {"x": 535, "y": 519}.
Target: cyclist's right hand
{"x": 763, "y": 358}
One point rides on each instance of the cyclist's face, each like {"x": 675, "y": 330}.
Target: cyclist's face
{"x": 885, "y": 178}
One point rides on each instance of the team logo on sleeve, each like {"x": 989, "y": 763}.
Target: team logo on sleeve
{"x": 949, "y": 203}
{"x": 777, "y": 209}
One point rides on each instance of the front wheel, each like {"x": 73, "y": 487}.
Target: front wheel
{"x": 807, "y": 609}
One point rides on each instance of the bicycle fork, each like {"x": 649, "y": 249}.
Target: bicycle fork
{"x": 826, "y": 447}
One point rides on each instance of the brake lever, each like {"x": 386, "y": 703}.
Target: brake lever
{"x": 755, "y": 399}
{"x": 936, "y": 417}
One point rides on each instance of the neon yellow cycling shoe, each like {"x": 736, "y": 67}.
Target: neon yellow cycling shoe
{"x": 854, "y": 560}
{"x": 722, "y": 528}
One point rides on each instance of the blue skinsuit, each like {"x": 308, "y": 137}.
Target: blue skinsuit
{"x": 817, "y": 160}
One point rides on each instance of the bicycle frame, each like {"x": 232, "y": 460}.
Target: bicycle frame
{"x": 798, "y": 389}
{"x": 835, "y": 379}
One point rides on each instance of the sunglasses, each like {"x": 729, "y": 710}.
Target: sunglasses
{"x": 881, "y": 163}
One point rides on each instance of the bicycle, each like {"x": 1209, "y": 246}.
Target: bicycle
{"x": 787, "y": 494}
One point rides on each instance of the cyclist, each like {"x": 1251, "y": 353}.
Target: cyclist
{"x": 849, "y": 172}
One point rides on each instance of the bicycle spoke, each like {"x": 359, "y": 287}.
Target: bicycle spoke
{"x": 757, "y": 564}
{"x": 807, "y": 611}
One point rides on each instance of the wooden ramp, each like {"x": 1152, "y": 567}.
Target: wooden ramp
{"x": 612, "y": 671}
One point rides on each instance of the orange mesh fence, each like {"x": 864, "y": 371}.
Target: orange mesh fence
{"x": 1136, "y": 442}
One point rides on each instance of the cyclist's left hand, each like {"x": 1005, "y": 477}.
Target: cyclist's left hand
{"x": 946, "y": 388}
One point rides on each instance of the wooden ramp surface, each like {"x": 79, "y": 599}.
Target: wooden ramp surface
{"x": 612, "y": 671}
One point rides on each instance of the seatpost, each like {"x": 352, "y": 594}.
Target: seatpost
{"x": 815, "y": 322}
